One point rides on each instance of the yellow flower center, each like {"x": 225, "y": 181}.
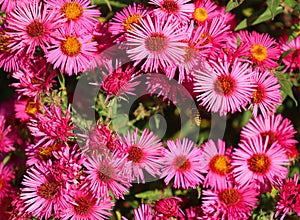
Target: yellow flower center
{"x": 230, "y": 197}
{"x": 219, "y": 164}
{"x": 258, "y": 95}
{"x": 31, "y": 108}
{"x": 71, "y": 46}
{"x": 259, "y": 52}
{"x": 4, "y": 42}
{"x": 132, "y": 19}
{"x": 200, "y": 14}
{"x": 72, "y": 10}
{"x": 35, "y": 29}
{"x": 45, "y": 153}
{"x": 224, "y": 85}
{"x": 259, "y": 163}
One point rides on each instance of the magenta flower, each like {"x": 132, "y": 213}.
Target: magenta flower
{"x": 256, "y": 162}
{"x": 181, "y": 10}
{"x": 9, "y": 5}
{"x": 107, "y": 173}
{"x": 204, "y": 11}
{"x": 143, "y": 212}
{"x": 218, "y": 163}
{"x": 182, "y": 161}
{"x": 267, "y": 94}
{"x": 6, "y": 175}
{"x": 167, "y": 208}
{"x": 143, "y": 154}
{"x": 30, "y": 25}
{"x": 85, "y": 205}
{"x": 231, "y": 203}
{"x": 72, "y": 51}
{"x": 276, "y": 127}
{"x": 292, "y": 59}
{"x": 223, "y": 87}
{"x": 6, "y": 140}
{"x": 78, "y": 13}
{"x": 25, "y": 109}
{"x": 158, "y": 41}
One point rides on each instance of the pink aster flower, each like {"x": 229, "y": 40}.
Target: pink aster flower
{"x": 182, "y": 162}
{"x": 230, "y": 203}
{"x": 256, "y": 162}
{"x": 9, "y": 5}
{"x": 78, "y": 13}
{"x": 107, "y": 173}
{"x": 6, "y": 175}
{"x": 43, "y": 193}
{"x": 157, "y": 40}
{"x": 262, "y": 49}
{"x": 292, "y": 59}
{"x": 35, "y": 78}
{"x": 218, "y": 163}
{"x": 25, "y": 109}
{"x": 125, "y": 19}
{"x": 167, "y": 208}
{"x": 275, "y": 126}
{"x": 6, "y": 140}
{"x": 143, "y": 154}
{"x": 205, "y": 10}
{"x": 30, "y": 25}
{"x": 143, "y": 212}
{"x": 72, "y": 51}
{"x": 181, "y": 10}
{"x": 288, "y": 197}
{"x": 85, "y": 205}
{"x": 223, "y": 87}
{"x": 267, "y": 94}
{"x": 52, "y": 126}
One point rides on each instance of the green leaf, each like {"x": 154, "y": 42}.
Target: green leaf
{"x": 232, "y": 5}
{"x": 267, "y": 15}
{"x": 243, "y": 24}
{"x": 286, "y": 86}
{"x": 290, "y": 3}
{"x": 272, "y": 6}
{"x": 112, "y": 3}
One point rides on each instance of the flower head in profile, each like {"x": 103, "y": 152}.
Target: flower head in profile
{"x": 72, "y": 52}
{"x": 182, "y": 162}
{"x": 106, "y": 173}
{"x": 223, "y": 87}
{"x": 267, "y": 94}
{"x": 86, "y": 205}
{"x": 232, "y": 203}
{"x": 156, "y": 40}
{"x": 30, "y": 25}
{"x": 218, "y": 163}
{"x": 256, "y": 162}
{"x": 77, "y": 13}
{"x": 292, "y": 59}
{"x": 288, "y": 197}
{"x": 278, "y": 129}
{"x": 168, "y": 207}
{"x": 262, "y": 49}
{"x": 180, "y": 10}
{"x": 6, "y": 140}
{"x": 143, "y": 154}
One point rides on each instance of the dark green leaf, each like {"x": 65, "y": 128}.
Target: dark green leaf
{"x": 112, "y": 3}
{"x": 243, "y": 24}
{"x": 290, "y": 3}
{"x": 267, "y": 15}
{"x": 232, "y": 5}
{"x": 272, "y": 6}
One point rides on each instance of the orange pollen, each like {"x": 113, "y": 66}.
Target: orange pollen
{"x": 259, "y": 94}
{"x": 72, "y": 10}
{"x": 230, "y": 197}
{"x": 132, "y": 19}
{"x": 35, "y": 29}
{"x": 200, "y": 14}
{"x": 71, "y": 46}
{"x": 135, "y": 154}
{"x": 83, "y": 206}
{"x": 259, "y": 163}
{"x": 224, "y": 85}
{"x": 170, "y": 6}
{"x": 4, "y": 42}
{"x": 31, "y": 108}
{"x": 45, "y": 153}
{"x": 219, "y": 164}
{"x": 156, "y": 43}
{"x": 49, "y": 190}
{"x": 105, "y": 173}
{"x": 259, "y": 52}
{"x": 181, "y": 163}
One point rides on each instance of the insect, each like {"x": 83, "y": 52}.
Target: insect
{"x": 197, "y": 118}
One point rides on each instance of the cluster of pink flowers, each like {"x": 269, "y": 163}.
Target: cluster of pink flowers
{"x": 194, "y": 43}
